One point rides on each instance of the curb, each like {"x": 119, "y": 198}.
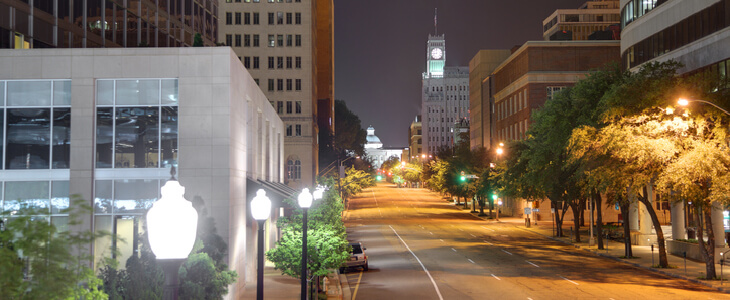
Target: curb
{"x": 344, "y": 286}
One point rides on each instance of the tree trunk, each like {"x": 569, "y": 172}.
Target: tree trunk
{"x": 481, "y": 206}
{"x": 628, "y": 253}
{"x": 599, "y": 218}
{"x": 707, "y": 250}
{"x": 562, "y": 218}
{"x": 491, "y": 206}
{"x": 577, "y": 209}
{"x": 583, "y": 213}
{"x": 663, "y": 263}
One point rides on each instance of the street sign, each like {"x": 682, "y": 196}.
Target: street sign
{"x": 535, "y": 210}
{"x": 617, "y": 207}
{"x": 528, "y": 210}
{"x": 471, "y": 176}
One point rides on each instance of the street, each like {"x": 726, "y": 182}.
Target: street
{"x": 421, "y": 247}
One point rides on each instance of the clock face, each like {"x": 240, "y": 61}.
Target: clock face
{"x": 436, "y": 53}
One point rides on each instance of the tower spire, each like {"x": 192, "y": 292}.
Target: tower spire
{"x": 435, "y": 21}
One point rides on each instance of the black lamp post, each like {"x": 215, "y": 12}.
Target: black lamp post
{"x": 305, "y": 201}
{"x": 260, "y": 210}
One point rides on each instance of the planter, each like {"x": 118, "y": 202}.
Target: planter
{"x": 678, "y": 248}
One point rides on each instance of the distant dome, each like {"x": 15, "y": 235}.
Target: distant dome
{"x": 373, "y": 142}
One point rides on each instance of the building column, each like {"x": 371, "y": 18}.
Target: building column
{"x": 645, "y": 224}
{"x": 633, "y": 213}
{"x": 718, "y": 226}
{"x": 679, "y": 229}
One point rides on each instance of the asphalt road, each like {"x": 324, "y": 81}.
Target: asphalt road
{"x": 421, "y": 247}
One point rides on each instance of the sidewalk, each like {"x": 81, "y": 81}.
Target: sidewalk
{"x": 277, "y": 286}
{"x": 683, "y": 269}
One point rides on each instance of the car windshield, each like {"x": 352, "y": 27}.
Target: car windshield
{"x": 356, "y": 249}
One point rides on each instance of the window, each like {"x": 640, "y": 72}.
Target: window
{"x": 288, "y": 18}
{"x": 136, "y": 123}
{"x": 294, "y": 167}
{"x": 298, "y": 62}
{"x": 298, "y": 39}
{"x": 255, "y": 18}
{"x": 279, "y": 107}
{"x": 246, "y": 19}
{"x": 247, "y": 40}
{"x": 229, "y": 40}
{"x": 288, "y": 40}
{"x": 255, "y": 62}
{"x": 289, "y": 130}
{"x": 255, "y": 40}
{"x": 552, "y": 90}
{"x": 298, "y": 130}
{"x": 238, "y": 18}
{"x": 229, "y": 18}
{"x": 271, "y": 18}
{"x": 247, "y": 62}
{"x": 288, "y": 107}
{"x": 238, "y": 40}
{"x": 298, "y": 84}
{"x": 256, "y": 80}
{"x": 280, "y": 40}
{"x": 280, "y": 84}
{"x": 271, "y": 62}
{"x": 288, "y": 84}
{"x": 298, "y": 107}
{"x": 280, "y": 62}
{"x": 271, "y": 85}
{"x": 298, "y": 18}
{"x": 288, "y": 62}
{"x": 272, "y": 41}
{"x": 279, "y": 18}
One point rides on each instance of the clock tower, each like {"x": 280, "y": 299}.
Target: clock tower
{"x": 435, "y": 56}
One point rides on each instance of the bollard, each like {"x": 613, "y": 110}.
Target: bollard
{"x": 652, "y": 255}
{"x": 684, "y": 254}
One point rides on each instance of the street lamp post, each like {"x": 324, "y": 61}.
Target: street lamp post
{"x": 305, "y": 201}
{"x": 172, "y": 224}
{"x": 339, "y": 184}
{"x": 685, "y": 102}
{"x": 260, "y": 210}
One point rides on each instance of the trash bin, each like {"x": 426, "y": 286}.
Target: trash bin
{"x": 691, "y": 233}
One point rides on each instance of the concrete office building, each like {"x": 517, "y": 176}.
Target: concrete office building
{"x": 444, "y": 97}
{"x": 375, "y": 151}
{"x": 696, "y": 34}
{"x": 287, "y": 46}
{"x": 110, "y": 23}
{"x": 481, "y": 100}
{"x": 415, "y": 140}
{"x": 107, "y": 124}
{"x": 588, "y": 22}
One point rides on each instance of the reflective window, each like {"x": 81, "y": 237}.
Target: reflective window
{"x": 26, "y": 194}
{"x": 28, "y": 138}
{"x": 137, "y": 128}
{"x": 61, "y": 131}
{"x": 29, "y": 93}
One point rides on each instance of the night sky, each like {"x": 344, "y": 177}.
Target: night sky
{"x": 380, "y": 49}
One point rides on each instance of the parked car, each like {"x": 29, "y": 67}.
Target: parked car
{"x": 358, "y": 258}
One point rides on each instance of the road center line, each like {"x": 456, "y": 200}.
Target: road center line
{"x": 495, "y": 276}
{"x": 453, "y": 249}
{"x": 441, "y": 240}
{"x": 357, "y": 287}
{"x": 488, "y": 243}
{"x": 419, "y": 262}
{"x": 505, "y": 251}
{"x": 430, "y": 233}
{"x": 529, "y": 262}
{"x": 472, "y": 235}
{"x": 573, "y": 282}
{"x": 471, "y": 261}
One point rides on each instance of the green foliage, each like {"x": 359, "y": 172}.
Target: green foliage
{"x": 198, "y": 40}
{"x": 327, "y": 246}
{"x": 200, "y": 278}
{"x": 39, "y": 261}
{"x": 349, "y": 137}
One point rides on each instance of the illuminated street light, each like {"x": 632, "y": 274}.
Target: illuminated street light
{"x": 260, "y": 210}
{"x": 685, "y": 102}
{"x": 305, "y": 201}
{"x": 172, "y": 224}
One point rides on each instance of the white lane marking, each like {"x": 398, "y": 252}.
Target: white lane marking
{"x": 441, "y": 240}
{"x": 528, "y": 298}
{"x": 472, "y": 235}
{"x": 376, "y": 204}
{"x": 495, "y": 276}
{"x": 573, "y": 282}
{"x": 419, "y": 262}
{"x": 453, "y": 249}
{"x": 529, "y": 262}
{"x": 488, "y": 243}
{"x": 471, "y": 261}
{"x": 430, "y": 233}
{"x": 488, "y": 228}
{"x": 461, "y": 229}
{"x": 505, "y": 251}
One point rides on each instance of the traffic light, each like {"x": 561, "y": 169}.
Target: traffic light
{"x": 494, "y": 196}
{"x": 378, "y": 178}
{"x": 463, "y": 178}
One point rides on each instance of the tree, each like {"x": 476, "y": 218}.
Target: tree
{"x": 349, "y": 137}
{"x": 198, "y": 40}
{"x": 39, "y": 261}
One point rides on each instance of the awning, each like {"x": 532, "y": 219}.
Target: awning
{"x": 276, "y": 191}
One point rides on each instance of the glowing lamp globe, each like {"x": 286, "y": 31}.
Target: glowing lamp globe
{"x": 260, "y": 206}
{"x": 318, "y": 193}
{"x": 172, "y": 223}
{"x": 305, "y": 198}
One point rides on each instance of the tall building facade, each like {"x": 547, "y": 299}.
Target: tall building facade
{"x": 287, "y": 46}
{"x": 481, "y": 100}
{"x": 444, "y": 97}
{"x": 591, "y": 21}
{"x": 109, "y": 23}
{"x": 415, "y": 139}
